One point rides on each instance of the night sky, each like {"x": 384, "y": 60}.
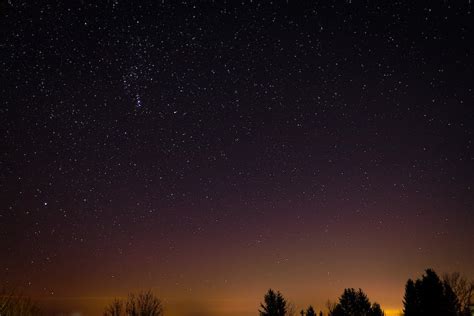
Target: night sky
{"x": 210, "y": 150}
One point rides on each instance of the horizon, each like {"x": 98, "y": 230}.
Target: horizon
{"x": 178, "y": 307}
{"x": 213, "y": 304}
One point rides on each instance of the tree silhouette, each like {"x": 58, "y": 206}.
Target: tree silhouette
{"x": 376, "y": 310}
{"x": 15, "y": 304}
{"x": 142, "y": 304}
{"x": 310, "y": 311}
{"x": 410, "y": 300}
{"x": 429, "y": 296}
{"x": 114, "y": 309}
{"x": 274, "y": 304}
{"x": 463, "y": 289}
{"x": 355, "y": 303}
{"x": 451, "y": 301}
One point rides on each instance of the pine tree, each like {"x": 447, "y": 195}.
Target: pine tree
{"x": 274, "y": 304}
{"x": 429, "y": 296}
{"x": 281, "y": 305}
{"x": 410, "y": 303}
{"x": 352, "y": 303}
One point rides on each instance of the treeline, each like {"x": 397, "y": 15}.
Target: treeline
{"x": 428, "y": 295}
{"x": 352, "y": 303}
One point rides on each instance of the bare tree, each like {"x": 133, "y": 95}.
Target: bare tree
{"x": 12, "y": 304}
{"x": 114, "y": 309}
{"x": 462, "y": 287}
{"x": 141, "y": 304}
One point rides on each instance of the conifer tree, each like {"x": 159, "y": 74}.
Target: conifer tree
{"x": 274, "y": 304}
{"x": 410, "y": 302}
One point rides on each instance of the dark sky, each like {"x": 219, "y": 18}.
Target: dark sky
{"x": 209, "y": 150}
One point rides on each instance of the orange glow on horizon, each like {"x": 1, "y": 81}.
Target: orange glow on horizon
{"x": 231, "y": 307}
